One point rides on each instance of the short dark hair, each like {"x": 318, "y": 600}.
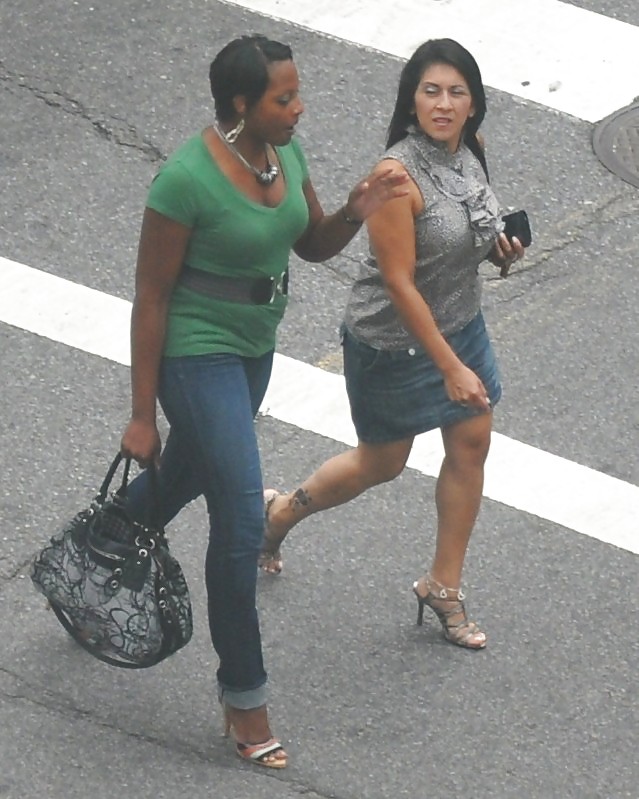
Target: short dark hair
{"x": 439, "y": 51}
{"x": 241, "y": 68}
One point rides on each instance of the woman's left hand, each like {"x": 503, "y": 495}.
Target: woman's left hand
{"x": 370, "y": 194}
{"x": 505, "y": 252}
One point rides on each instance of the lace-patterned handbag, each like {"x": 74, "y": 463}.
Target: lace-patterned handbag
{"x": 112, "y": 582}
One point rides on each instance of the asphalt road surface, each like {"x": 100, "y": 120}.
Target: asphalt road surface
{"x": 369, "y": 706}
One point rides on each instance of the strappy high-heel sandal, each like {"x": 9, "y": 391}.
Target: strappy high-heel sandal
{"x": 270, "y": 558}
{"x": 269, "y": 753}
{"x": 448, "y": 605}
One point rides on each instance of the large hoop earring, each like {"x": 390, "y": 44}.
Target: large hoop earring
{"x": 232, "y": 136}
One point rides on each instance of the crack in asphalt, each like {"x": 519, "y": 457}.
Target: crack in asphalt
{"x": 112, "y": 128}
{"x": 571, "y": 229}
{"x": 15, "y": 572}
{"x": 26, "y": 691}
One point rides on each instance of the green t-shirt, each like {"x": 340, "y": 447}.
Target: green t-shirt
{"x": 231, "y": 236}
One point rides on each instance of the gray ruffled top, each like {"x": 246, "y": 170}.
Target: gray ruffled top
{"x": 453, "y": 233}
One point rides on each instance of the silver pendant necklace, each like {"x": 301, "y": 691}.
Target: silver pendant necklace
{"x": 264, "y": 178}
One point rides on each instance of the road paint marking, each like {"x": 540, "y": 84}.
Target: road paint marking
{"x": 575, "y": 61}
{"x": 63, "y": 311}
{"x": 518, "y": 475}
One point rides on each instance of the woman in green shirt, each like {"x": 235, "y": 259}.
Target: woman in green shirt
{"x": 222, "y": 217}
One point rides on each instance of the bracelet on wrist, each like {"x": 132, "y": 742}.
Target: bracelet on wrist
{"x": 349, "y": 219}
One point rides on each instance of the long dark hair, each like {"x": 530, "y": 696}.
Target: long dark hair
{"x": 439, "y": 51}
{"x": 241, "y": 67}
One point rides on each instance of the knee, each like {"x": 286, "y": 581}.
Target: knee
{"x": 391, "y": 470}
{"x": 384, "y": 469}
{"x": 478, "y": 445}
{"x": 470, "y": 451}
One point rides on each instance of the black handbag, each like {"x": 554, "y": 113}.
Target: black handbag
{"x": 112, "y": 582}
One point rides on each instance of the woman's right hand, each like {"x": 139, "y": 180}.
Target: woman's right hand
{"x": 141, "y": 441}
{"x": 463, "y": 386}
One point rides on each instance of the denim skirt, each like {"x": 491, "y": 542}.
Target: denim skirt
{"x": 397, "y": 394}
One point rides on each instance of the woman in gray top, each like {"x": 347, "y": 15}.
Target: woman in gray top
{"x": 416, "y": 352}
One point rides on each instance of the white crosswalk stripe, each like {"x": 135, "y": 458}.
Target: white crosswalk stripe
{"x": 552, "y": 53}
{"x": 517, "y": 474}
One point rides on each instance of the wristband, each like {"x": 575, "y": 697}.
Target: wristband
{"x": 349, "y": 219}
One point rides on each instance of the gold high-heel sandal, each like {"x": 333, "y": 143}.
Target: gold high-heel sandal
{"x": 270, "y": 558}
{"x": 448, "y": 606}
{"x": 269, "y": 753}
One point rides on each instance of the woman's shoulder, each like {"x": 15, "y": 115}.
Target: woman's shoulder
{"x": 400, "y": 149}
{"x": 193, "y": 150}
{"x": 186, "y": 164}
{"x": 392, "y": 161}
{"x": 401, "y": 155}
{"x": 181, "y": 174}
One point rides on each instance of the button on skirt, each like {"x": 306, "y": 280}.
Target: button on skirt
{"x": 397, "y": 394}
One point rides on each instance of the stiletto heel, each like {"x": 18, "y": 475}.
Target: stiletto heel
{"x": 448, "y": 606}
{"x": 226, "y": 721}
{"x": 420, "y": 606}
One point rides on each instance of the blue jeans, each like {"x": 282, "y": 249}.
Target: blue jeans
{"x": 210, "y": 402}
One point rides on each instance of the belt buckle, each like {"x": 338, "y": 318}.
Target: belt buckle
{"x": 263, "y": 291}
{"x": 279, "y": 287}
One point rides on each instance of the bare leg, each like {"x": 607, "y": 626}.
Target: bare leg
{"x": 337, "y": 481}
{"x": 458, "y": 497}
{"x": 458, "y": 494}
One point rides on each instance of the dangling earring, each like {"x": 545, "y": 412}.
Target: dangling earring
{"x": 233, "y": 134}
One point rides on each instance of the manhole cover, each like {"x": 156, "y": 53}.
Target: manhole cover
{"x": 616, "y": 143}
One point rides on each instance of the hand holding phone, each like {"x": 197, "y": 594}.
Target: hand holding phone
{"x": 518, "y": 226}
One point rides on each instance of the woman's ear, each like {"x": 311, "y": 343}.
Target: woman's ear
{"x": 239, "y": 103}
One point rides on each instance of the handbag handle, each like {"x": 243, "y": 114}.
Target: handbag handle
{"x": 154, "y": 519}
{"x": 104, "y": 488}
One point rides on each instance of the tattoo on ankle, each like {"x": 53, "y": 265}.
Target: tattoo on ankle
{"x": 300, "y": 499}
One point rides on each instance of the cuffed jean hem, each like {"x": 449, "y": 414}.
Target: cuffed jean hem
{"x": 210, "y": 402}
{"x": 242, "y": 700}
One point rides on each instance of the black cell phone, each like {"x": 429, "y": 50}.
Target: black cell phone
{"x": 517, "y": 225}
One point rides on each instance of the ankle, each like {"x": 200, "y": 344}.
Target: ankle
{"x": 250, "y": 726}
{"x": 442, "y": 590}
{"x": 286, "y": 510}
{"x": 278, "y": 516}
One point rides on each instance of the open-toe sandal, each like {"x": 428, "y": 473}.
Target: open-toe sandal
{"x": 448, "y": 606}
{"x": 270, "y": 754}
{"x": 270, "y": 558}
